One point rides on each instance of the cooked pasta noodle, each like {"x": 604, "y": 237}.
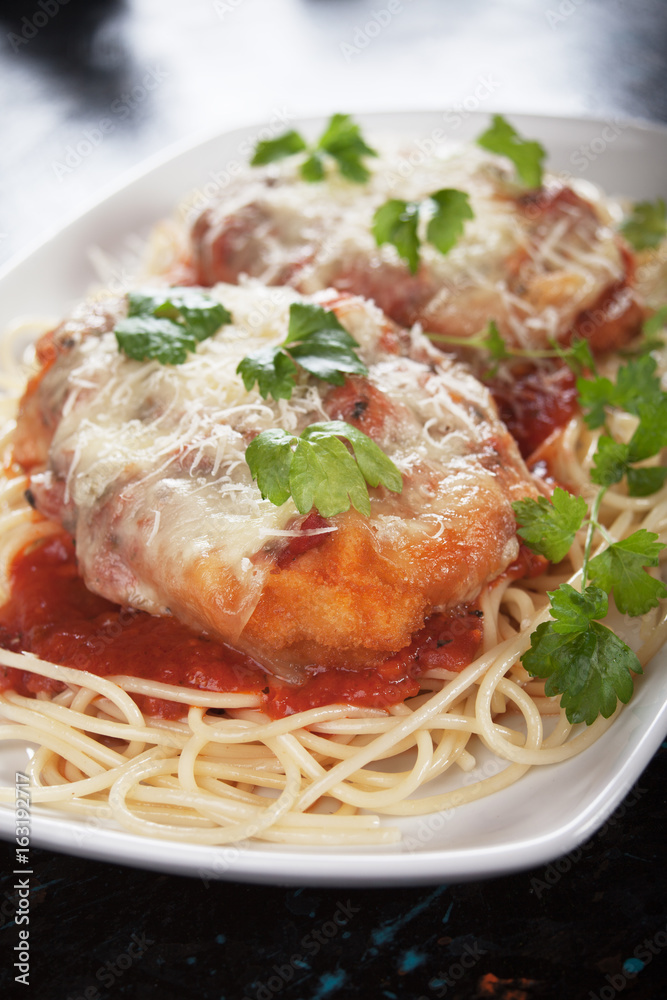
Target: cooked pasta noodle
{"x": 225, "y": 772}
{"x": 311, "y": 777}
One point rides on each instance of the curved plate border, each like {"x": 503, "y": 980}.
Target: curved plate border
{"x": 551, "y": 810}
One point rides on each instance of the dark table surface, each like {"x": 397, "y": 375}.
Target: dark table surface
{"x": 592, "y": 925}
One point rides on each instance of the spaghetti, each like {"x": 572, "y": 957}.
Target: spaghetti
{"x": 218, "y": 769}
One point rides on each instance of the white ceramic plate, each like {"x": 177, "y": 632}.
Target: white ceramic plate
{"x": 548, "y": 812}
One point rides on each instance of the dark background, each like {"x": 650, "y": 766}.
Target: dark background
{"x": 592, "y": 925}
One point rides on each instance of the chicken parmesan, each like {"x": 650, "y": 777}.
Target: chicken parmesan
{"x": 143, "y": 463}
{"x": 363, "y": 478}
{"x": 545, "y": 264}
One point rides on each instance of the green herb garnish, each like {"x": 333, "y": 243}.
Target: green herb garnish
{"x": 490, "y": 341}
{"x": 647, "y": 226}
{"x": 637, "y": 390}
{"x": 317, "y": 469}
{"x": 526, "y": 155}
{"x": 397, "y": 222}
{"x": 316, "y": 341}
{"x": 581, "y": 659}
{"x": 167, "y": 324}
{"x": 620, "y": 569}
{"x": 341, "y": 141}
{"x": 653, "y": 335}
{"x": 285, "y": 145}
{"x": 549, "y": 527}
{"x": 653, "y": 330}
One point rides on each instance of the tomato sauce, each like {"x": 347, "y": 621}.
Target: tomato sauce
{"x": 51, "y": 613}
{"x": 535, "y": 403}
{"x": 526, "y": 566}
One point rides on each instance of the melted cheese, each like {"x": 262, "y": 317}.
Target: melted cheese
{"x": 533, "y": 277}
{"x": 147, "y": 470}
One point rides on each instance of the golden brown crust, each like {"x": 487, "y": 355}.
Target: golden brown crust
{"x": 341, "y": 595}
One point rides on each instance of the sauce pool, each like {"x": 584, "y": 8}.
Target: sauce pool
{"x": 51, "y": 613}
{"x": 535, "y": 403}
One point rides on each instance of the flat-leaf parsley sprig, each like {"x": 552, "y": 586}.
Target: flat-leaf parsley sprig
{"x": 526, "y": 154}
{"x": 653, "y": 335}
{"x": 637, "y": 391}
{"x": 316, "y": 340}
{"x": 341, "y": 142}
{"x": 646, "y": 226}
{"x": 397, "y": 222}
{"x": 166, "y": 324}
{"x": 580, "y": 658}
{"x": 490, "y": 341}
{"x": 577, "y": 354}
{"x": 317, "y": 469}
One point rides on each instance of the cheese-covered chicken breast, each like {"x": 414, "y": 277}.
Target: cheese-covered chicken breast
{"x": 144, "y": 463}
{"x": 543, "y": 264}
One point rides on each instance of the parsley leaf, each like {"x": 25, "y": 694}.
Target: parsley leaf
{"x": 652, "y": 335}
{"x": 611, "y": 461}
{"x": 651, "y": 434}
{"x": 526, "y": 155}
{"x": 272, "y": 369}
{"x": 647, "y": 226}
{"x": 317, "y": 470}
{"x": 637, "y": 386}
{"x": 316, "y": 340}
{"x": 324, "y": 475}
{"x": 549, "y": 527}
{"x": 373, "y": 462}
{"x": 577, "y": 356}
{"x": 321, "y": 345}
{"x": 312, "y": 169}
{"x": 655, "y": 324}
{"x": 269, "y": 456}
{"x": 198, "y": 312}
{"x": 166, "y": 324}
{"x": 306, "y": 320}
{"x": 491, "y": 341}
{"x": 145, "y": 338}
{"x": 452, "y": 208}
{"x": 494, "y": 343}
{"x": 581, "y": 659}
{"x": 621, "y": 568}
{"x": 594, "y": 396}
{"x": 341, "y": 140}
{"x": 590, "y": 669}
{"x": 573, "y": 611}
{"x": 645, "y": 481}
{"x": 269, "y": 150}
{"x": 397, "y": 222}
{"x": 637, "y": 390}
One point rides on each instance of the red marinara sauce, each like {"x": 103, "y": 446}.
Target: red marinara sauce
{"x": 536, "y": 402}
{"x": 51, "y": 613}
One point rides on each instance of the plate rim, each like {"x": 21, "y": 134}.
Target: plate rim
{"x": 304, "y": 866}
{"x": 183, "y": 146}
